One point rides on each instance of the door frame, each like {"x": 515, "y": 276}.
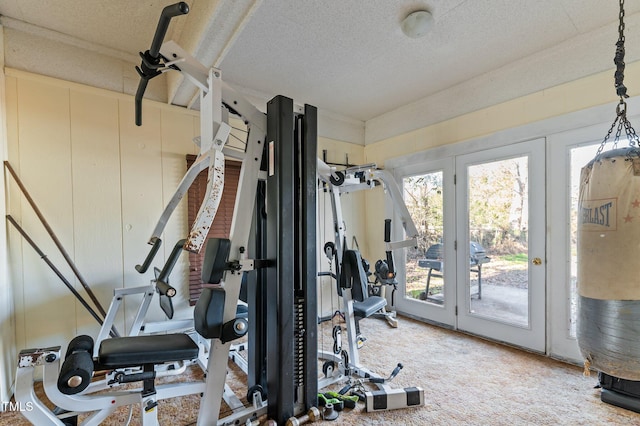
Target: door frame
{"x": 589, "y": 122}
{"x": 441, "y": 314}
{"x": 560, "y": 342}
{"x": 449, "y": 315}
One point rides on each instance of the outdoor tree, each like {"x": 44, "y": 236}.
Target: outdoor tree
{"x": 423, "y": 196}
{"x": 497, "y": 204}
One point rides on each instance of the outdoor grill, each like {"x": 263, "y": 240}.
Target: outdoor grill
{"x": 434, "y": 260}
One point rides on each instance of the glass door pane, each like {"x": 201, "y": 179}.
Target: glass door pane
{"x": 568, "y": 152}
{"x": 425, "y": 265}
{"x": 498, "y": 240}
{"x": 427, "y": 281}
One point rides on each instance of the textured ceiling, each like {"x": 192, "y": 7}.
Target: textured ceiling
{"x": 351, "y": 57}
{"x": 348, "y": 57}
{"x": 122, "y": 25}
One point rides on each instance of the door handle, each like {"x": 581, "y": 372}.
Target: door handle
{"x": 536, "y": 261}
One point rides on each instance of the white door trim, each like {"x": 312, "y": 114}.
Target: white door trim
{"x": 560, "y": 343}
{"x": 442, "y": 314}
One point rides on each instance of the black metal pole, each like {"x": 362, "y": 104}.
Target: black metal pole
{"x": 281, "y": 231}
{"x": 57, "y": 272}
{"x": 257, "y": 298}
{"x": 309, "y": 149}
{"x": 56, "y": 241}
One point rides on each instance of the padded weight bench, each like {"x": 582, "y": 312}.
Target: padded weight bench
{"x": 122, "y": 352}
{"x": 148, "y": 351}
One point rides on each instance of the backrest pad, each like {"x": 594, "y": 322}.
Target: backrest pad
{"x": 353, "y": 275}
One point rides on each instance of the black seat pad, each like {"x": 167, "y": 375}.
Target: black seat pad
{"x": 370, "y": 306}
{"x": 139, "y": 350}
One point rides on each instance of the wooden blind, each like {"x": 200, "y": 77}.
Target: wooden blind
{"x": 222, "y": 222}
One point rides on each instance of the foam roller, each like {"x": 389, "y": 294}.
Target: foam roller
{"x": 82, "y": 343}
{"x": 75, "y": 374}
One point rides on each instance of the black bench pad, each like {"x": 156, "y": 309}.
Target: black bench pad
{"x": 139, "y": 350}
{"x": 370, "y": 306}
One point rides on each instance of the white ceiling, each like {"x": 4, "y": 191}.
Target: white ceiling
{"x": 349, "y": 57}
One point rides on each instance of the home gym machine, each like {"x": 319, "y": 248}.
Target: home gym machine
{"x": 352, "y": 284}
{"x": 281, "y": 168}
{"x": 364, "y": 177}
{"x": 279, "y": 165}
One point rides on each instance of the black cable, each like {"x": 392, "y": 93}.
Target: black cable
{"x": 243, "y": 142}
{"x": 239, "y": 129}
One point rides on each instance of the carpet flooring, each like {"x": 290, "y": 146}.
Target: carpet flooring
{"x": 466, "y": 380}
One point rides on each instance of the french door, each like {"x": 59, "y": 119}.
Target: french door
{"x": 500, "y": 257}
{"x": 430, "y": 283}
{"x": 568, "y": 153}
{"x": 480, "y": 264}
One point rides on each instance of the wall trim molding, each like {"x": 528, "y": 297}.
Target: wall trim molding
{"x": 20, "y": 74}
{"x": 25, "y": 27}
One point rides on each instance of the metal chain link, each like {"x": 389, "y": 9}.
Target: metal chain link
{"x": 618, "y": 59}
{"x": 621, "y": 24}
{"x": 618, "y": 131}
{"x": 606, "y": 138}
{"x": 621, "y": 90}
{"x": 634, "y": 140}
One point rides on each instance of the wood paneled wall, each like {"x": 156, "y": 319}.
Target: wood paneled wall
{"x": 101, "y": 183}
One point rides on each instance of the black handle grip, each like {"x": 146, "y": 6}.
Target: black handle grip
{"x": 390, "y": 265}
{"x": 151, "y": 58}
{"x": 387, "y": 239}
{"x": 142, "y": 86}
{"x": 171, "y": 261}
{"x": 168, "y": 12}
{"x": 396, "y": 370}
{"x": 156, "y": 242}
{"x": 345, "y": 389}
{"x": 387, "y": 230}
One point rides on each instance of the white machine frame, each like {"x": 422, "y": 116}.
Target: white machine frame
{"x": 353, "y": 370}
{"x": 214, "y": 133}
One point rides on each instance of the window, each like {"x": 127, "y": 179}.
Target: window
{"x": 221, "y": 224}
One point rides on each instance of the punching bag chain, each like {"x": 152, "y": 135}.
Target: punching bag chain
{"x": 618, "y": 60}
{"x": 621, "y": 121}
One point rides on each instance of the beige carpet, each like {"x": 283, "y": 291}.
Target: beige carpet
{"x": 467, "y": 381}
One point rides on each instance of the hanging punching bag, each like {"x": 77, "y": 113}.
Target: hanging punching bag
{"x": 608, "y": 328}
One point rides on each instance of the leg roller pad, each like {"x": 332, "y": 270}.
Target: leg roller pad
{"x": 75, "y": 374}
{"x": 82, "y": 343}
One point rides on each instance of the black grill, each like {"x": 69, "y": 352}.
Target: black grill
{"x": 477, "y": 254}
{"x": 434, "y": 259}
{"x": 435, "y": 256}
